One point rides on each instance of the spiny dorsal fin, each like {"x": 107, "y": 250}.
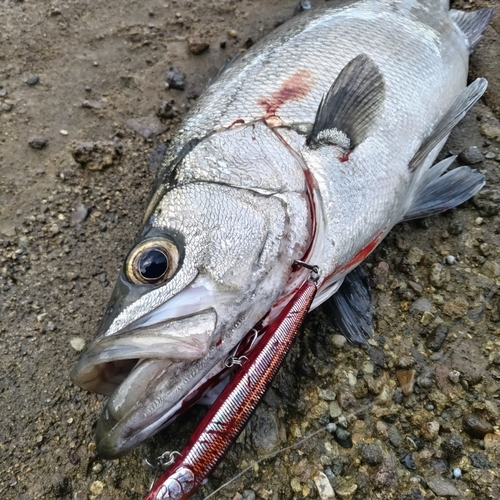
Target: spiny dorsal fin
{"x": 349, "y": 108}
{"x": 350, "y": 309}
{"x": 464, "y": 101}
{"x": 472, "y": 24}
{"x": 439, "y": 190}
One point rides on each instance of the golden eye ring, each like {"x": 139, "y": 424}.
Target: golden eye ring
{"x": 152, "y": 262}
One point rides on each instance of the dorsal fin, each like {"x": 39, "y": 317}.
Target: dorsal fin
{"x": 464, "y": 101}
{"x": 349, "y": 108}
{"x": 472, "y": 24}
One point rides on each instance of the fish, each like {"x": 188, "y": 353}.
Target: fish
{"x": 310, "y": 147}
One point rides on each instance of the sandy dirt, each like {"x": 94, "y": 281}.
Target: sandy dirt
{"x": 88, "y": 79}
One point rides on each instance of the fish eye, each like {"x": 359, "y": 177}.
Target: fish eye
{"x": 152, "y": 262}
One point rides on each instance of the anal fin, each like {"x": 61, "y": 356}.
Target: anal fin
{"x": 439, "y": 192}
{"x": 350, "y": 309}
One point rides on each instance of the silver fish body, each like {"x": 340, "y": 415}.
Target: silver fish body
{"x": 250, "y": 184}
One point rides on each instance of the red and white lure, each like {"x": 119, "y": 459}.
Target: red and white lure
{"x": 231, "y": 411}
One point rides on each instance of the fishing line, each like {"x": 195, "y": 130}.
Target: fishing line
{"x": 329, "y": 426}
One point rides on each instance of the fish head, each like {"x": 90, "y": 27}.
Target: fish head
{"x": 209, "y": 263}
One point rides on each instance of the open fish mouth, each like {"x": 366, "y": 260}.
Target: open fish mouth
{"x": 140, "y": 370}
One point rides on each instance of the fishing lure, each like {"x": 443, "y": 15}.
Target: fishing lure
{"x": 231, "y": 411}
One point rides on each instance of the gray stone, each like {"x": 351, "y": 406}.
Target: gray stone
{"x": 38, "y": 142}
{"x": 147, "y": 126}
{"x": 422, "y": 305}
{"x": 487, "y": 201}
{"x": 471, "y": 155}
{"x": 80, "y": 214}
{"x": 32, "y": 80}
{"x": 441, "y": 487}
{"x": 469, "y": 361}
{"x": 476, "y": 426}
{"x": 435, "y": 340}
{"x": 438, "y": 275}
{"x": 371, "y": 454}
{"x": 263, "y": 430}
{"x": 175, "y": 78}
{"x": 415, "y": 255}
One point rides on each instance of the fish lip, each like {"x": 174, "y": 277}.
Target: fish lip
{"x": 106, "y": 363}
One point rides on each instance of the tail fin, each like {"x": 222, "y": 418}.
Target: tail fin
{"x": 472, "y": 24}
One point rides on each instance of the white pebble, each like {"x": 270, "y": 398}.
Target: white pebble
{"x": 77, "y": 344}
{"x": 457, "y": 472}
{"x": 63, "y": 132}
{"x": 450, "y": 260}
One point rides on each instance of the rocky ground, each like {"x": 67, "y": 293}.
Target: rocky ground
{"x": 84, "y": 118}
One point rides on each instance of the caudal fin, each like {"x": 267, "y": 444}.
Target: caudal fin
{"x": 472, "y": 24}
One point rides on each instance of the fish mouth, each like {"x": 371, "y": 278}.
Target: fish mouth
{"x": 140, "y": 371}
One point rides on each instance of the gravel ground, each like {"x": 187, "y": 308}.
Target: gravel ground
{"x": 84, "y": 119}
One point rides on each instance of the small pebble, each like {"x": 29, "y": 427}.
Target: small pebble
{"x": 37, "y": 142}
{"x": 490, "y": 155}
{"x": 430, "y": 430}
{"x": 450, "y": 260}
{"x": 232, "y": 33}
{"x": 435, "y": 340}
{"x": 457, "y": 472}
{"x": 476, "y": 426}
{"x": 441, "y": 487}
{"x": 338, "y": 341}
{"x": 343, "y": 437}
{"x": 32, "y": 80}
{"x": 97, "y": 487}
{"x": 331, "y": 427}
{"x": 77, "y": 344}
{"x": 323, "y": 486}
{"x": 415, "y": 255}
{"x": 80, "y": 214}
{"x": 371, "y": 454}
{"x": 175, "y": 78}
{"x": 6, "y": 106}
{"x": 63, "y": 132}
{"x": 97, "y": 468}
{"x": 454, "y": 376}
{"x": 197, "y": 47}
{"x": 406, "y": 379}
{"x": 409, "y": 462}
{"x": 471, "y": 155}
{"x": 438, "y": 275}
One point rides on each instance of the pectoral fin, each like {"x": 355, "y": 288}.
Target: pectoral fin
{"x": 350, "y": 107}
{"x": 350, "y": 309}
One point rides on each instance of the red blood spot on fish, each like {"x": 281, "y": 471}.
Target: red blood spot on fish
{"x": 293, "y": 88}
{"x": 344, "y": 157}
{"x": 364, "y": 252}
{"x": 218, "y": 343}
{"x": 239, "y": 121}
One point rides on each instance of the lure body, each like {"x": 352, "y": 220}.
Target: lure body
{"x": 228, "y": 415}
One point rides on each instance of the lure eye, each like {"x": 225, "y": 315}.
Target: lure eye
{"x": 152, "y": 262}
